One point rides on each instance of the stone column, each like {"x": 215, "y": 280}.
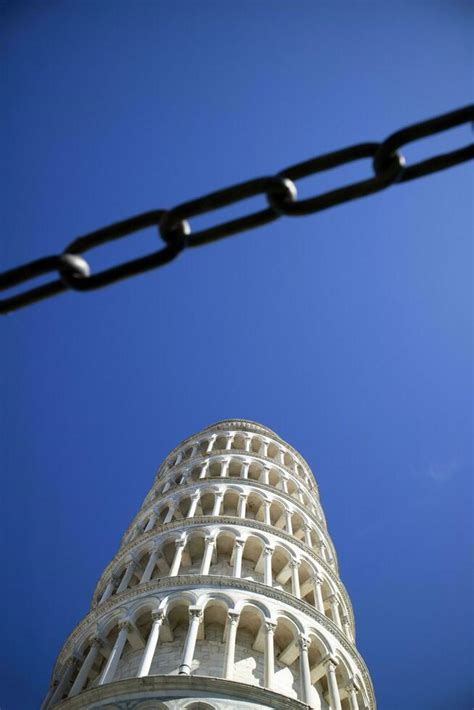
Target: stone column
{"x": 69, "y": 668}
{"x": 174, "y": 569}
{"x": 264, "y": 448}
{"x": 217, "y": 504}
{"x": 170, "y": 513}
{"x": 242, "y": 505}
{"x": 267, "y": 569}
{"x": 281, "y": 456}
{"x": 114, "y": 658}
{"x": 233, "y": 621}
{"x": 229, "y": 441}
{"x": 238, "y": 552}
{"x": 207, "y": 557}
{"x": 321, "y": 547}
{"x": 150, "y": 648}
{"x": 52, "y": 689}
{"x": 245, "y": 469}
{"x": 335, "y": 610}
{"x": 179, "y": 458}
{"x": 305, "y": 673}
{"x": 194, "y": 451}
{"x": 307, "y": 535}
{"x": 318, "y": 595}
{"x": 146, "y": 576}
{"x": 195, "y": 616}
{"x": 346, "y": 627}
{"x": 108, "y": 591}
{"x": 151, "y": 523}
{"x": 247, "y": 442}
{"x": 83, "y": 674}
{"x": 351, "y": 691}
{"x": 204, "y": 470}
{"x": 295, "y": 580}
{"x": 211, "y": 443}
{"x": 284, "y": 485}
{"x": 266, "y": 512}
{"x": 269, "y": 660}
{"x": 225, "y": 468}
{"x": 127, "y": 576}
{"x": 334, "y": 699}
{"x": 289, "y": 526}
{"x": 194, "y": 504}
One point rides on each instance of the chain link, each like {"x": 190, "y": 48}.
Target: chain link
{"x": 280, "y": 192}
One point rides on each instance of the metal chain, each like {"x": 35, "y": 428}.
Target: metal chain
{"x": 280, "y": 192}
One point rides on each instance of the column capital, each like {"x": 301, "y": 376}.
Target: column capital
{"x": 180, "y": 542}
{"x": 317, "y": 579}
{"x": 269, "y": 627}
{"x": 158, "y": 615}
{"x": 233, "y": 617}
{"x": 71, "y": 662}
{"x": 332, "y": 598}
{"x": 351, "y": 687}
{"x": 304, "y": 642}
{"x": 195, "y": 613}
{"x": 331, "y": 663}
{"x": 211, "y": 539}
{"x": 124, "y": 624}
{"x": 96, "y": 641}
{"x": 294, "y": 564}
{"x": 239, "y": 542}
{"x": 268, "y": 550}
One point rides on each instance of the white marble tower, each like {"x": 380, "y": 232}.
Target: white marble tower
{"x": 223, "y": 595}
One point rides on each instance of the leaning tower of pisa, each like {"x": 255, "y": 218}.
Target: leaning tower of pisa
{"x": 224, "y": 593}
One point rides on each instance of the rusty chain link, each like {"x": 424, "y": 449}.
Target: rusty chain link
{"x": 281, "y": 195}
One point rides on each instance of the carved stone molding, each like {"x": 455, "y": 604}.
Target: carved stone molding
{"x": 265, "y": 461}
{"x": 232, "y": 426}
{"x": 131, "y": 694}
{"x": 169, "y": 584}
{"x": 207, "y": 520}
{"x": 192, "y": 488}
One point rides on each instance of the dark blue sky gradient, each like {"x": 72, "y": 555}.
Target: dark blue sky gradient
{"x": 347, "y": 332}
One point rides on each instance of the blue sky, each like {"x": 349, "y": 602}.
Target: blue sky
{"x": 348, "y": 332}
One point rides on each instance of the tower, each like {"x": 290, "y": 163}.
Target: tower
{"x": 224, "y": 593}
